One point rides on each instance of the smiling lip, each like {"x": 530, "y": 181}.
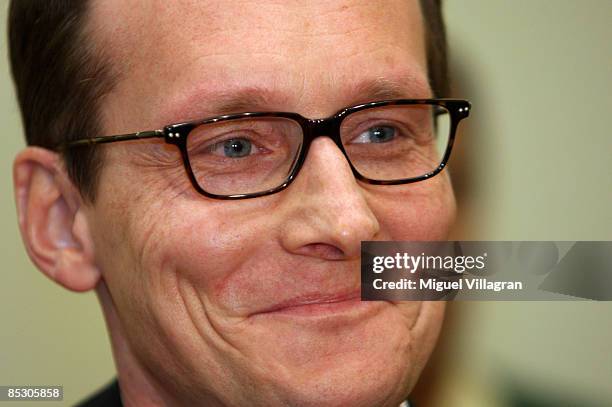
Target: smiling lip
{"x": 318, "y": 305}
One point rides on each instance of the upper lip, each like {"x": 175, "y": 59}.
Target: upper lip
{"x": 313, "y": 299}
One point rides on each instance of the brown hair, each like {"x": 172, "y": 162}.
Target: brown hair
{"x": 61, "y": 78}
{"x": 435, "y": 42}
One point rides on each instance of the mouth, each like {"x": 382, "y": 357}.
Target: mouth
{"x": 321, "y": 306}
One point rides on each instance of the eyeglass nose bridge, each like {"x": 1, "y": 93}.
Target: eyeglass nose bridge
{"x": 327, "y": 127}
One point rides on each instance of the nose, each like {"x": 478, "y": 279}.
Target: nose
{"x": 327, "y": 212}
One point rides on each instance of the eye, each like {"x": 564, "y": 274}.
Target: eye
{"x": 378, "y": 134}
{"x": 233, "y": 148}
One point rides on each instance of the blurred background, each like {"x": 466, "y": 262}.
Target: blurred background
{"x": 533, "y": 162}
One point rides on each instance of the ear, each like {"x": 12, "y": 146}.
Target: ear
{"x": 52, "y": 220}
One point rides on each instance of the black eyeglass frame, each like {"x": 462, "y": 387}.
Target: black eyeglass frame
{"x": 176, "y": 134}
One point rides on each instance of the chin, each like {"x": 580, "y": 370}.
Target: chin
{"x": 352, "y": 380}
{"x": 372, "y": 360}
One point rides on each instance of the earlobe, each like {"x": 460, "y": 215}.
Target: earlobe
{"x": 52, "y": 220}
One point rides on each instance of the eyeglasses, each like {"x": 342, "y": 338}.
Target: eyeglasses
{"x": 247, "y": 155}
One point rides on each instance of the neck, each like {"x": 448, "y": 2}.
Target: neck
{"x": 137, "y": 386}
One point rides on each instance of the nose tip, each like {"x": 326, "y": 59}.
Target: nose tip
{"x": 331, "y": 215}
{"x": 358, "y": 227}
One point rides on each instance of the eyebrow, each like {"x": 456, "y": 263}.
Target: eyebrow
{"x": 205, "y": 103}
{"x": 254, "y": 98}
{"x": 247, "y": 99}
{"x": 384, "y": 88}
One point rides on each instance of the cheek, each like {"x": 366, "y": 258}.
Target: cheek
{"x": 421, "y": 211}
{"x": 162, "y": 260}
{"x": 190, "y": 242}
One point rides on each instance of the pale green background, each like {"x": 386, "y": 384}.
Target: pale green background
{"x": 537, "y": 155}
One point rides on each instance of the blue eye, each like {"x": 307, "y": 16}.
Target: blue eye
{"x": 235, "y": 148}
{"x": 380, "y": 134}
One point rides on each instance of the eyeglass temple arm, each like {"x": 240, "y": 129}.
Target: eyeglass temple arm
{"x": 111, "y": 139}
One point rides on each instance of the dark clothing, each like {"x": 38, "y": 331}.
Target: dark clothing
{"x": 108, "y": 396}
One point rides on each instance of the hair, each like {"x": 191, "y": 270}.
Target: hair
{"x": 61, "y": 77}
{"x": 436, "y": 47}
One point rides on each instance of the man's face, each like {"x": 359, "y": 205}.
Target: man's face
{"x": 256, "y": 301}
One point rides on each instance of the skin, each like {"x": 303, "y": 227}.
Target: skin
{"x": 195, "y": 291}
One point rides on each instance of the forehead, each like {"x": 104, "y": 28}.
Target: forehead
{"x": 177, "y": 58}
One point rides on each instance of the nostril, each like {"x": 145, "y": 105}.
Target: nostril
{"x": 323, "y": 251}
